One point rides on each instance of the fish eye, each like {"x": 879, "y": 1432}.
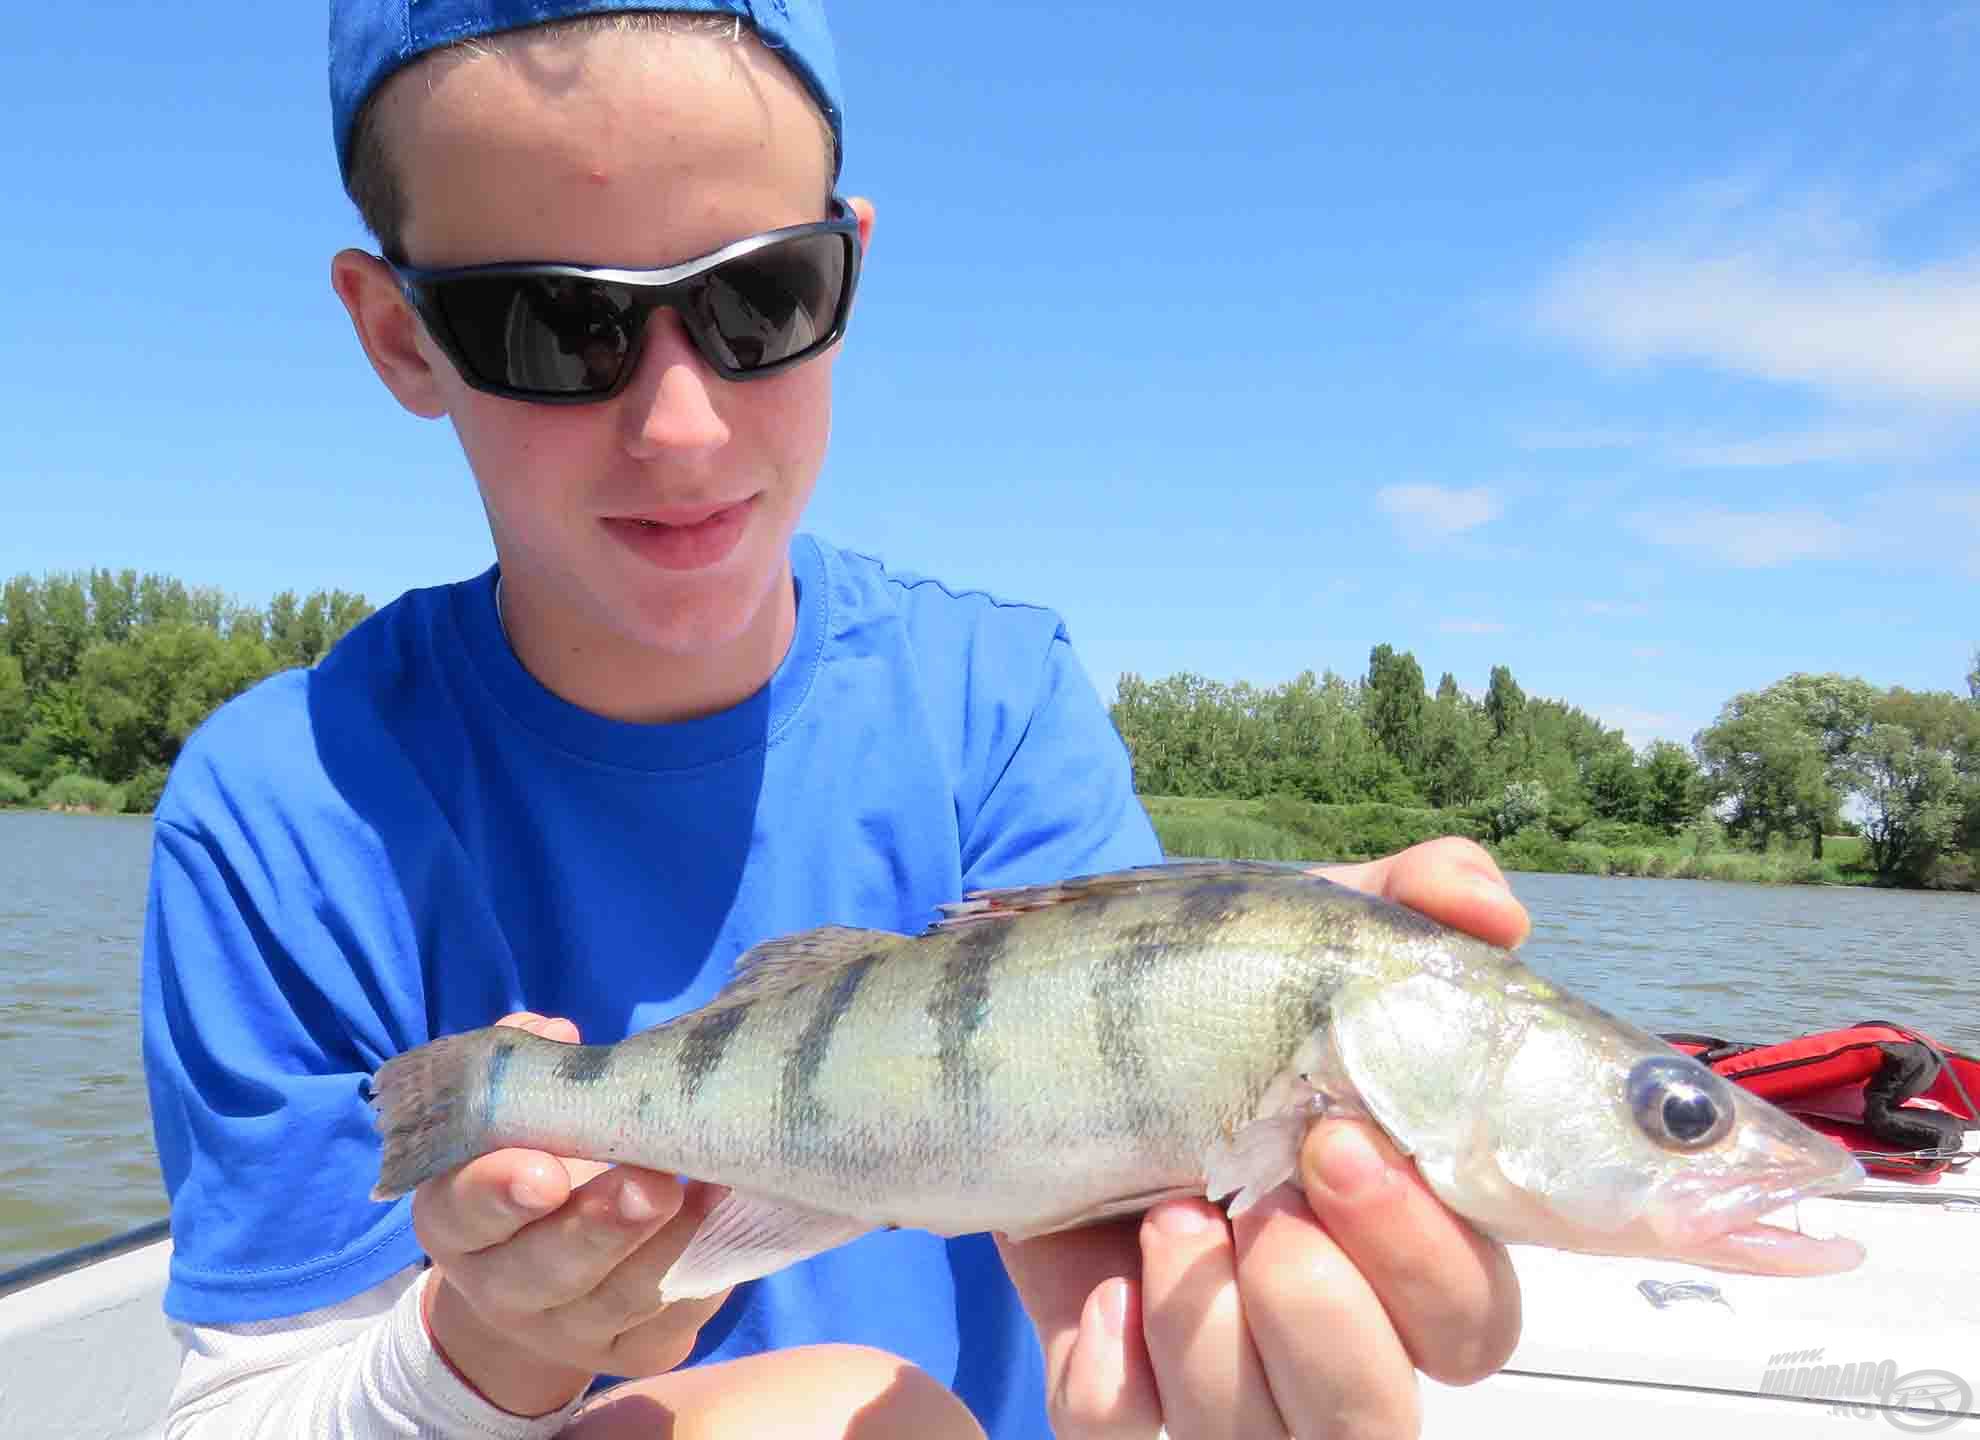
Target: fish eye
{"x": 1678, "y": 1103}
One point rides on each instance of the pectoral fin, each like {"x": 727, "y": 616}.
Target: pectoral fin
{"x": 746, "y": 1237}
{"x": 1257, "y": 1158}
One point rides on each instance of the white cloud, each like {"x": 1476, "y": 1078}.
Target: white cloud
{"x": 1640, "y": 727}
{"x": 1913, "y": 528}
{"x": 1826, "y": 443}
{"x": 1777, "y": 283}
{"x": 1470, "y": 627}
{"x": 1831, "y": 259}
{"x": 1917, "y": 528}
{"x": 1745, "y": 540}
{"x": 1433, "y": 512}
{"x": 1590, "y": 437}
{"x": 1815, "y": 445}
{"x": 1647, "y": 652}
{"x": 1620, "y": 609}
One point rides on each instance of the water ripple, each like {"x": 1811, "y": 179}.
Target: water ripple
{"x": 1741, "y": 961}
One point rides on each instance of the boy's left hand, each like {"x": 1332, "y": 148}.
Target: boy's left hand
{"x": 1309, "y": 1318}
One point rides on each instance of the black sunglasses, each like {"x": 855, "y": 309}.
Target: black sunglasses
{"x": 570, "y": 334}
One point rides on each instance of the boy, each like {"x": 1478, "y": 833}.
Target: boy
{"x": 665, "y": 727}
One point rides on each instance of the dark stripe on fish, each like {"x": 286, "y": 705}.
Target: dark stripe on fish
{"x": 1209, "y": 904}
{"x": 959, "y": 1007}
{"x": 1301, "y": 1007}
{"x": 1121, "y": 986}
{"x": 704, "y": 1044}
{"x": 584, "y": 1064}
{"x": 800, "y": 1110}
{"x": 499, "y": 1055}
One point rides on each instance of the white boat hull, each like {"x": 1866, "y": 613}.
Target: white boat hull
{"x": 1597, "y": 1357}
{"x": 87, "y": 1355}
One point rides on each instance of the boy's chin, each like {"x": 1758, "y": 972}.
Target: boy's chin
{"x": 723, "y": 613}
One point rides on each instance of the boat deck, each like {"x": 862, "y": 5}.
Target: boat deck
{"x": 1600, "y": 1355}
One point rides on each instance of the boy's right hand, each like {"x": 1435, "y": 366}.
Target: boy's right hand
{"x": 547, "y": 1271}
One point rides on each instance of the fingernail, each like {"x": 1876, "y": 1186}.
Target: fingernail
{"x": 1110, "y": 1308}
{"x": 1181, "y": 1219}
{"x": 636, "y": 1207}
{"x": 1349, "y": 1166}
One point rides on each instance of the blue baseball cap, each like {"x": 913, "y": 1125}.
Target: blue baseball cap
{"x": 370, "y": 39}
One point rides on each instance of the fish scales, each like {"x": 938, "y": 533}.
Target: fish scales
{"x": 1053, "y": 1055}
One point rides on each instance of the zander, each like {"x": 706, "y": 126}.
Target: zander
{"x": 1051, "y": 1056}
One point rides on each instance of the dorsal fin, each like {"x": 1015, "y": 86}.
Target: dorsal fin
{"x": 774, "y": 966}
{"x": 979, "y": 906}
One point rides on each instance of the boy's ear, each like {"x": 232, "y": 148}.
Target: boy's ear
{"x": 389, "y": 331}
{"x": 863, "y": 208}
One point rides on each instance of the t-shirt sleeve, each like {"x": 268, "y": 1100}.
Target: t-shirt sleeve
{"x": 263, "y": 1016}
{"x": 1060, "y": 795}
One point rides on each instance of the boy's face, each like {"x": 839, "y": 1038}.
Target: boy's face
{"x": 635, "y": 150}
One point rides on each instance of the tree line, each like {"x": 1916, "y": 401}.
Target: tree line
{"x": 104, "y": 674}
{"x": 1783, "y": 765}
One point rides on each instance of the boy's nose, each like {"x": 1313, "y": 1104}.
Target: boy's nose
{"x": 668, "y": 405}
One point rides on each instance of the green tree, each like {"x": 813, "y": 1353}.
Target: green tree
{"x": 1771, "y": 769}
{"x": 20, "y": 625}
{"x": 343, "y": 612}
{"x": 207, "y": 607}
{"x": 1505, "y": 702}
{"x": 60, "y": 731}
{"x": 1836, "y": 710}
{"x": 1672, "y": 794}
{"x": 1616, "y": 786}
{"x": 13, "y": 704}
{"x": 149, "y": 696}
{"x": 1918, "y": 774}
{"x": 312, "y": 629}
{"x": 65, "y": 614}
{"x": 1912, "y": 796}
{"x": 113, "y": 604}
{"x": 162, "y": 600}
{"x": 1973, "y": 678}
{"x": 1776, "y": 793}
{"x": 1454, "y": 745}
{"x": 1394, "y": 705}
{"x": 1521, "y": 803}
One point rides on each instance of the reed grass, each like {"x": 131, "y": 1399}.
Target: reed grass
{"x": 1285, "y": 829}
{"x": 82, "y": 792}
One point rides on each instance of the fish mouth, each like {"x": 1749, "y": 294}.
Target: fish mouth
{"x": 1731, "y": 1231}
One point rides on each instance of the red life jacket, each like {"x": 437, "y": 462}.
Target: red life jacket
{"x": 1897, "y": 1100}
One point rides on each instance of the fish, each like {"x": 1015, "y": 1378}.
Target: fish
{"x": 1665, "y": 1293}
{"x": 1052, "y": 1056}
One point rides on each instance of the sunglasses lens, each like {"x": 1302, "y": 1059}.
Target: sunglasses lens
{"x": 540, "y": 335}
{"x": 775, "y": 305}
{"x": 530, "y": 335}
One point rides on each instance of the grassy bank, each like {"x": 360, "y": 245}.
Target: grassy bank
{"x": 1285, "y": 829}
{"x": 77, "y": 794}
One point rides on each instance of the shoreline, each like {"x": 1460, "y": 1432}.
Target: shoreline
{"x": 1282, "y": 828}
{"x": 1214, "y": 828}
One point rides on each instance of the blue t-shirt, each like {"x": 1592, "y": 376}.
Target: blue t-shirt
{"x": 416, "y": 838}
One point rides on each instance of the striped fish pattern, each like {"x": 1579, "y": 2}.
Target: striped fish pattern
{"x": 1041, "y": 1058}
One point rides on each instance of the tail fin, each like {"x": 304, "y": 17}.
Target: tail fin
{"x": 433, "y": 1103}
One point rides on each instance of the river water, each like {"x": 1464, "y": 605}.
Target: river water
{"x": 1739, "y": 961}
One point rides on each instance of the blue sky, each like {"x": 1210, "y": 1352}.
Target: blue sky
{"x": 1637, "y": 348}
